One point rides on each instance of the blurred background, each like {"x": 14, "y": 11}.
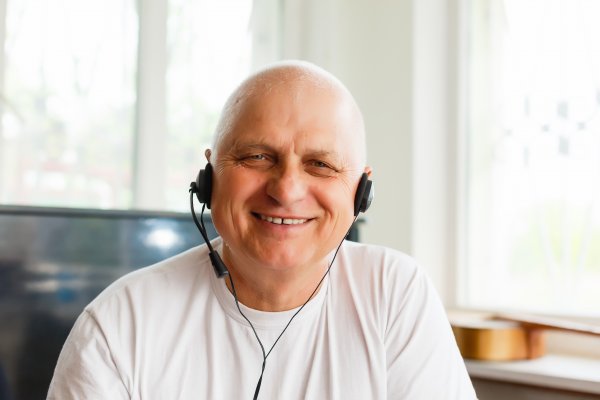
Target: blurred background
{"x": 483, "y": 129}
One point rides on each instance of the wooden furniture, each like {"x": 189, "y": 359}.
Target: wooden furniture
{"x": 504, "y": 337}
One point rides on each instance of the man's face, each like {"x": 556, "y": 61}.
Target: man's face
{"x": 285, "y": 177}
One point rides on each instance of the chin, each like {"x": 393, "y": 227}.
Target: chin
{"x": 283, "y": 262}
{"x": 280, "y": 263}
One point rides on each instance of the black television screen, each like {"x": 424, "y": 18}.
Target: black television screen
{"x": 53, "y": 262}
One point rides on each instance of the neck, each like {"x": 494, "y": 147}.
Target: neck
{"x": 270, "y": 290}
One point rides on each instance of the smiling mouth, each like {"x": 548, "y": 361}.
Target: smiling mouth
{"x": 281, "y": 220}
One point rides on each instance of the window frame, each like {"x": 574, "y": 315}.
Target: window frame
{"x": 151, "y": 107}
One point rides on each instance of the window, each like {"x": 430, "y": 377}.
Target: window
{"x": 110, "y": 104}
{"x": 68, "y": 98}
{"x": 201, "y": 73}
{"x": 533, "y": 144}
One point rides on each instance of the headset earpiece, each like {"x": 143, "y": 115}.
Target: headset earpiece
{"x": 203, "y": 187}
{"x": 364, "y": 194}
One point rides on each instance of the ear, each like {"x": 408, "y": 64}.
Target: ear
{"x": 207, "y": 154}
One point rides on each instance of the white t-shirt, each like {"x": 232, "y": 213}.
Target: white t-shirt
{"x": 375, "y": 330}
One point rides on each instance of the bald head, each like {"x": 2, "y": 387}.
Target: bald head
{"x": 290, "y": 78}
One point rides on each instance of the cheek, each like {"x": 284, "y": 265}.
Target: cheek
{"x": 339, "y": 201}
{"x": 230, "y": 194}
{"x": 232, "y": 190}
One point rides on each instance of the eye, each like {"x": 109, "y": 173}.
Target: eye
{"x": 320, "y": 164}
{"x": 257, "y": 157}
{"x": 256, "y": 160}
{"x": 320, "y": 168}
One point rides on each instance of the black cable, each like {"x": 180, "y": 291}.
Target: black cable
{"x": 221, "y": 270}
{"x": 199, "y": 225}
{"x": 259, "y": 383}
{"x": 215, "y": 259}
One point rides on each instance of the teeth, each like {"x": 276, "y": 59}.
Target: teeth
{"x": 284, "y": 221}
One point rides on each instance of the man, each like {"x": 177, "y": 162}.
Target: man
{"x": 293, "y": 320}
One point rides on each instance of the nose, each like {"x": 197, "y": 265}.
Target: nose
{"x": 287, "y": 185}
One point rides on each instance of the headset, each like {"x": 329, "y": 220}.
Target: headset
{"x": 202, "y": 188}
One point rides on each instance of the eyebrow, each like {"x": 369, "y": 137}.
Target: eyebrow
{"x": 311, "y": 153}
{"x": 239, "y": 145}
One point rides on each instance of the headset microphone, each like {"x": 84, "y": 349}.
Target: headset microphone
{"x": 215, "y": 258}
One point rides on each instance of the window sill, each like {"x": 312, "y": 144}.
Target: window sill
{"x": 576, "y": 374}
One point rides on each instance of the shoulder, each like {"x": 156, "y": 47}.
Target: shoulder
{"x": 169, "y": 279}
{"x": 136, "y": 320}
{"x": 376, "y": 253}
{"x": 388, "y": 266}
{"x": 385, "y": 282}
{"x": 391, "y": 285}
